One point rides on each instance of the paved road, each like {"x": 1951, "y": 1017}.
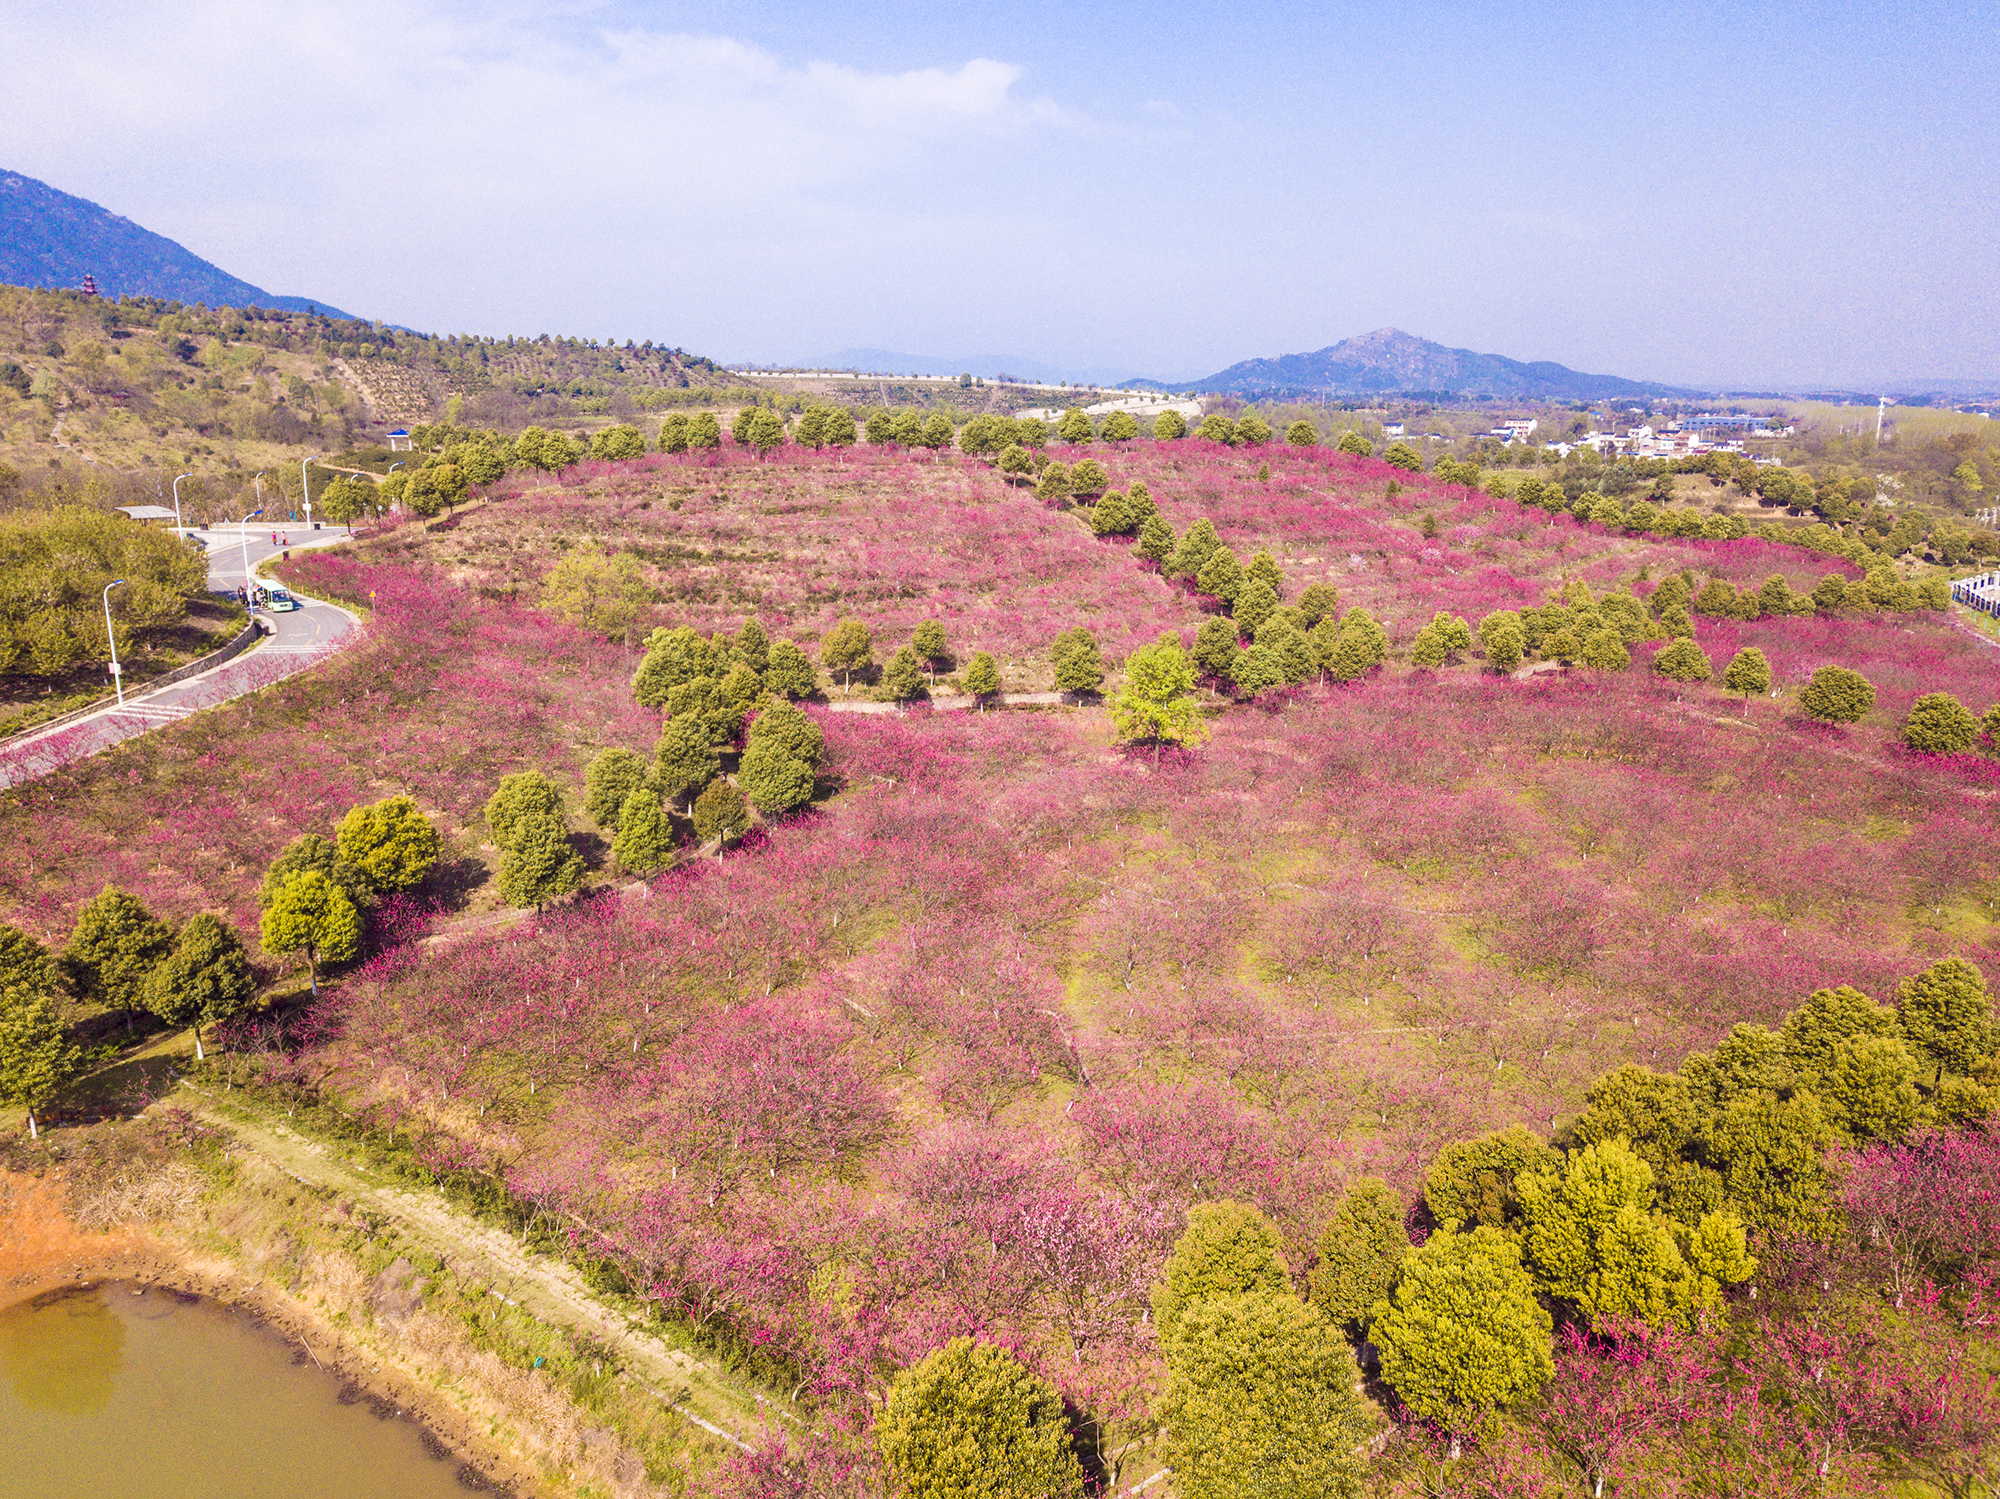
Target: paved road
{"x": 302, "y": 637}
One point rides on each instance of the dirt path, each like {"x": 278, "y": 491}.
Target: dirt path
{"x": 547, "y": 1289}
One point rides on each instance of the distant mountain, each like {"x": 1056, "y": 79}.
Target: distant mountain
{"x": 48, "y": 238}
{"x": 1391, "y": 362}
{"x": 986, "y": 366}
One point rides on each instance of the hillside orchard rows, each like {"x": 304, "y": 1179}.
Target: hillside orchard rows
{"x": 1602, "y": 1053}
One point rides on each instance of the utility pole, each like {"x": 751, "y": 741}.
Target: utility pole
{"x": 1881, "y": 405}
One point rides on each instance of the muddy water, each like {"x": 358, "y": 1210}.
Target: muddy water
{"x": 117, "y": 1393}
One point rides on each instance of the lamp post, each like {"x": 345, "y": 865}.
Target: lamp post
{"x": 177, "y": 507}
{"x": 111, "y": 638}
{"x": 304, "y": 487}
{"x": 244, "y": 531}
{"x": 385, "y": 478}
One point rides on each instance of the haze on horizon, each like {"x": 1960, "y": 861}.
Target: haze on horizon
{"x": 1783, "y": 195}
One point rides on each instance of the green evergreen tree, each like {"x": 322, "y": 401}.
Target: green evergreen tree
{"x": 1652, "y": 1112}
{"x": 1227, "y": 1249}
{"x": 910, "y": 428}
{"x": 1074, "y": 426}
{"x": 1353, "y": 442}
{"x": 1260, "y": 1403}
{"x": 742, "y": 689}
{"x": 1079, "y": 665}
{"x": 1302, "y": 434}
{"x": 205, "y": 980}
{"x": 881, "y": 428}
{"x": 904, "y": 674}
{"x": 1139, "y": 504}
{"x": 1812, "y": 1033}
{"x": 526, "y": 793}
{"x": 539, "y": 864}
{"x": 720, "y": 813}
{"x": 781, "y": 763}
{"x": 1463, "y": 1333}
{"x": 673, "y": 657}
{"x": 1255, "y": 603}
{"x": 115, "y": 944}
{"x": 1263, "y": 568}
{"x": 1257, "y": 670}
{"x": 1088, "y": 478}
{"x": 612, "y": 775}
{"x": 1357, "y": 647}
{"x": 928, "y": 641}
{"x": 1296, "y": 656}
{"x": 1318, "y": 602}
{"x": 1939, "y": 725}
{"x": 674, "y": 433}
{"x": 1592, "y": 1236}
{"x": 1360, "y": 1249}
{"x": 1157, "y": 705}
{"x": 684, "y": 760}
{"x": 982, "y": 675}
{"x": 848, "y": 648}
{"x": 37, "y": 1057}
{"x": 1120, "y": 426}
{"x": 1215, "y": 427}
{"x": 1014, "y": 462}
{"x": 310, "y": 851}
{"x": 939, "y": 431}
{"x": 1837, "y": 695}
{"x": 1869, "y": 1088}
{"x": 1054, "y": 486}
{"x": 1947, "y": 1016}
{"x": 1252, "y": 430}
{"x": 1169, "y": 426}
{"x": 311, "y": 914}
{"x": 1221, "y": 576}
{"x": 1471, "y": 1182}
{"x": 1766, "y": 1150}
{"x": 1748, "y": 673}
{"x": 391, "y": 844}
{"x": 1604, "y": 650}
{"x": 1682, "y": 661}
{"x": 704, "y": 432}
{"x": 645, "y": 841}
{"x": 752, "y": 646}
{"x": 25, "y": 964}
{"x": 1156, "y": 539}
{"x": 969, "y": 1422}
{"x": 1111, "y": 517}
{"x": 789, "y": 672}
{"x": 1215, "y": 648}
{"x": 1439, "y": 640}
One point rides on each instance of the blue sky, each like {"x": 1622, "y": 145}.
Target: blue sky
{"x": 1769, "y": 195}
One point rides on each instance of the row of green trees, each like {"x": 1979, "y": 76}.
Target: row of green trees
{"x": 122, "y": 958}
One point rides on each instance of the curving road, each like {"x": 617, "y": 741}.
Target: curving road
{"x": 302, "y": 637}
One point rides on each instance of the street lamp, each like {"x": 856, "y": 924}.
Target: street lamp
{"x": 385, "y": 478}
{"x": 304, "y": 487}
{"x": 244, "y": 530}
{"x": 177, "y": 506}
{"x": 111, "y": 636}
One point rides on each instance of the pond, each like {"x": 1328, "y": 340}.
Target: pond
{"x": 115, "y": 1391}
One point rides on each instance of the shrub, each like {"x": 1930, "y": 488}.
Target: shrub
{"x": 1682, "y": 661}
{"x": 1227, "y": 1249}
{"x": 538, "y": 864}
{"x": 1838, "y": 695}
{"x": 391, "y": 844}
{"x": 1260, "y": 1401}
{"x": 1939, "y": 725}
{"x": 1359, "y": 1252}
{"x": 969, "y": 1422}
{"x": 1471, "y": 1182}
{"x": 1463, "y": 1332}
